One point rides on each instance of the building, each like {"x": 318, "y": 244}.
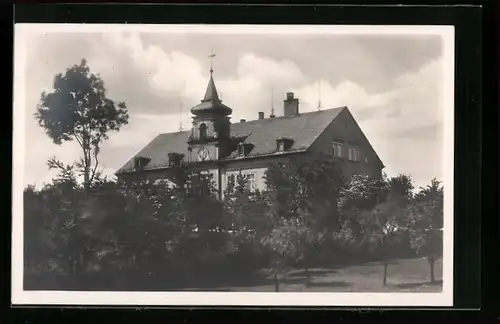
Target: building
{"x": 224, "y": 149}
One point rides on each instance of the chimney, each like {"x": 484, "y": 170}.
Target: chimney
{"x": 261, "y": 115}
{"x": 291, "y": 105}
{"x": 242, "y": 120}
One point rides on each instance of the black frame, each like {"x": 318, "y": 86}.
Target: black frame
{"x": 469, "y": 156}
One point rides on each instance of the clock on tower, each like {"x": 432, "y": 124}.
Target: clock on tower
{"x": 203, "y": 154}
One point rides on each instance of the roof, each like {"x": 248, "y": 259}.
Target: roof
{"x": 303, "y": 129}
{"x": 211, "y": 102}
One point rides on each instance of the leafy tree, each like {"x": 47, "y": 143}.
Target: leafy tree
{"x": 304, "y": 196}
{"x": 79, "y": 109}
{"x": 54, "y": 211}
{"x": 401, "y": 185}
{"x": 248, "y": 209}
{"x": 426, "y": 223}
{"x": 284, "y": 243}
{"x": 361, "y": 194}
{"x": 308, "y": 244}
{"x": 309, "y": 187}
{"x": 382, "y": 228}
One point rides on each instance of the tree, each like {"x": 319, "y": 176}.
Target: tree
{"x": 361, "y": 195}
{"x": 426, "y": 223}
{"x": 304, "y": 196}
{"x": 52, "y": 225}
{"x": 382, "y": 228}
{"x": 79, "y": 109}
{"x": 308, "y": 243}
{"x": 402, "y": 186}
{"x": 306, "y": 187}
{"x": 284, "y": 242}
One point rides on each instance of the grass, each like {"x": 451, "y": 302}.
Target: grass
{"x": 406, "y": 275}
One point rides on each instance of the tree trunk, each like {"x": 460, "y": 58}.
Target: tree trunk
{"x": 276, "y": 281}
{"x": 86, "y": 163}
{"x": 386, "y": 265}
{"x": 308, "y": 275}
{"x": 431, "y": 264}
{"x": 86, "y": 179}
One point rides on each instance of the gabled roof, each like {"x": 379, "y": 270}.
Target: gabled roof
{"x": 303, "y": 129}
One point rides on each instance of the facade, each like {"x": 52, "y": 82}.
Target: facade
{"x": 224, "y": 149}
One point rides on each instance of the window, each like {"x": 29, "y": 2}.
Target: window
{"x": 354, "y": 154}
{"x": 241, "y": 150}
{"x": 337, "y": 150}
{"x": 250, "y": 181}
{"x": 203, "y": 131}
{"x": 281, "y": 146}
{"x": 140, "y": 163}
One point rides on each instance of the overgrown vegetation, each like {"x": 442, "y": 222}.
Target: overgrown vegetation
{"x": 146, "y": 236}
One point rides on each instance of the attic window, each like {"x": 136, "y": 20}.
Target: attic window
{"x": 244, "y": 149}
{"x": 241, "y": 150}
{"x": 140, "y": 163}
{"x": 175, "y": 159}
{"x": 284, "y": 144}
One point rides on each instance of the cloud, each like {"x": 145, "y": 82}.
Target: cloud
{"x": 404, "y": 125}
{"x": 157, "y": 78}
{"x": 174, "y": 76}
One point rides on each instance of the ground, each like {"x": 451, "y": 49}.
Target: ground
{"x": 407, "y": 275}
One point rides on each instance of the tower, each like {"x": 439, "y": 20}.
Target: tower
{"x": 210, "y": 132}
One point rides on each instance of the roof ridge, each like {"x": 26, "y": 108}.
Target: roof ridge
{"x": 266, "y": 119}
{"x": 290, "y": 117}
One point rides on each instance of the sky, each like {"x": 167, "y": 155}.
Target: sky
{"x": 392, "y": 84}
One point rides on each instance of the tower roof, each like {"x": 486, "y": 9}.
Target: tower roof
{"x": 211, "y": 103}
{"x": 211, "y": 93}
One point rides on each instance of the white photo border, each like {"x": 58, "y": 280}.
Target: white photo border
{"x": 395, "y": 299}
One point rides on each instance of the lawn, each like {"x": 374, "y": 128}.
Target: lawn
{"x": 405, "y": 275}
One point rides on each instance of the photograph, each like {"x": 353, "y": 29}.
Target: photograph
{"x": 233, "y": 165}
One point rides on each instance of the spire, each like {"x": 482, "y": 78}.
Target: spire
{"x": 211, "y": 93}
{"x": 211, "y": 103}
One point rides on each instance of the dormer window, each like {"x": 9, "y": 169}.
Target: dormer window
{"x": 244, "y": 149}
{"x": 283, "y": 144}
{"x": 140, "y": 163}
{"x": 175, "y": 159}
